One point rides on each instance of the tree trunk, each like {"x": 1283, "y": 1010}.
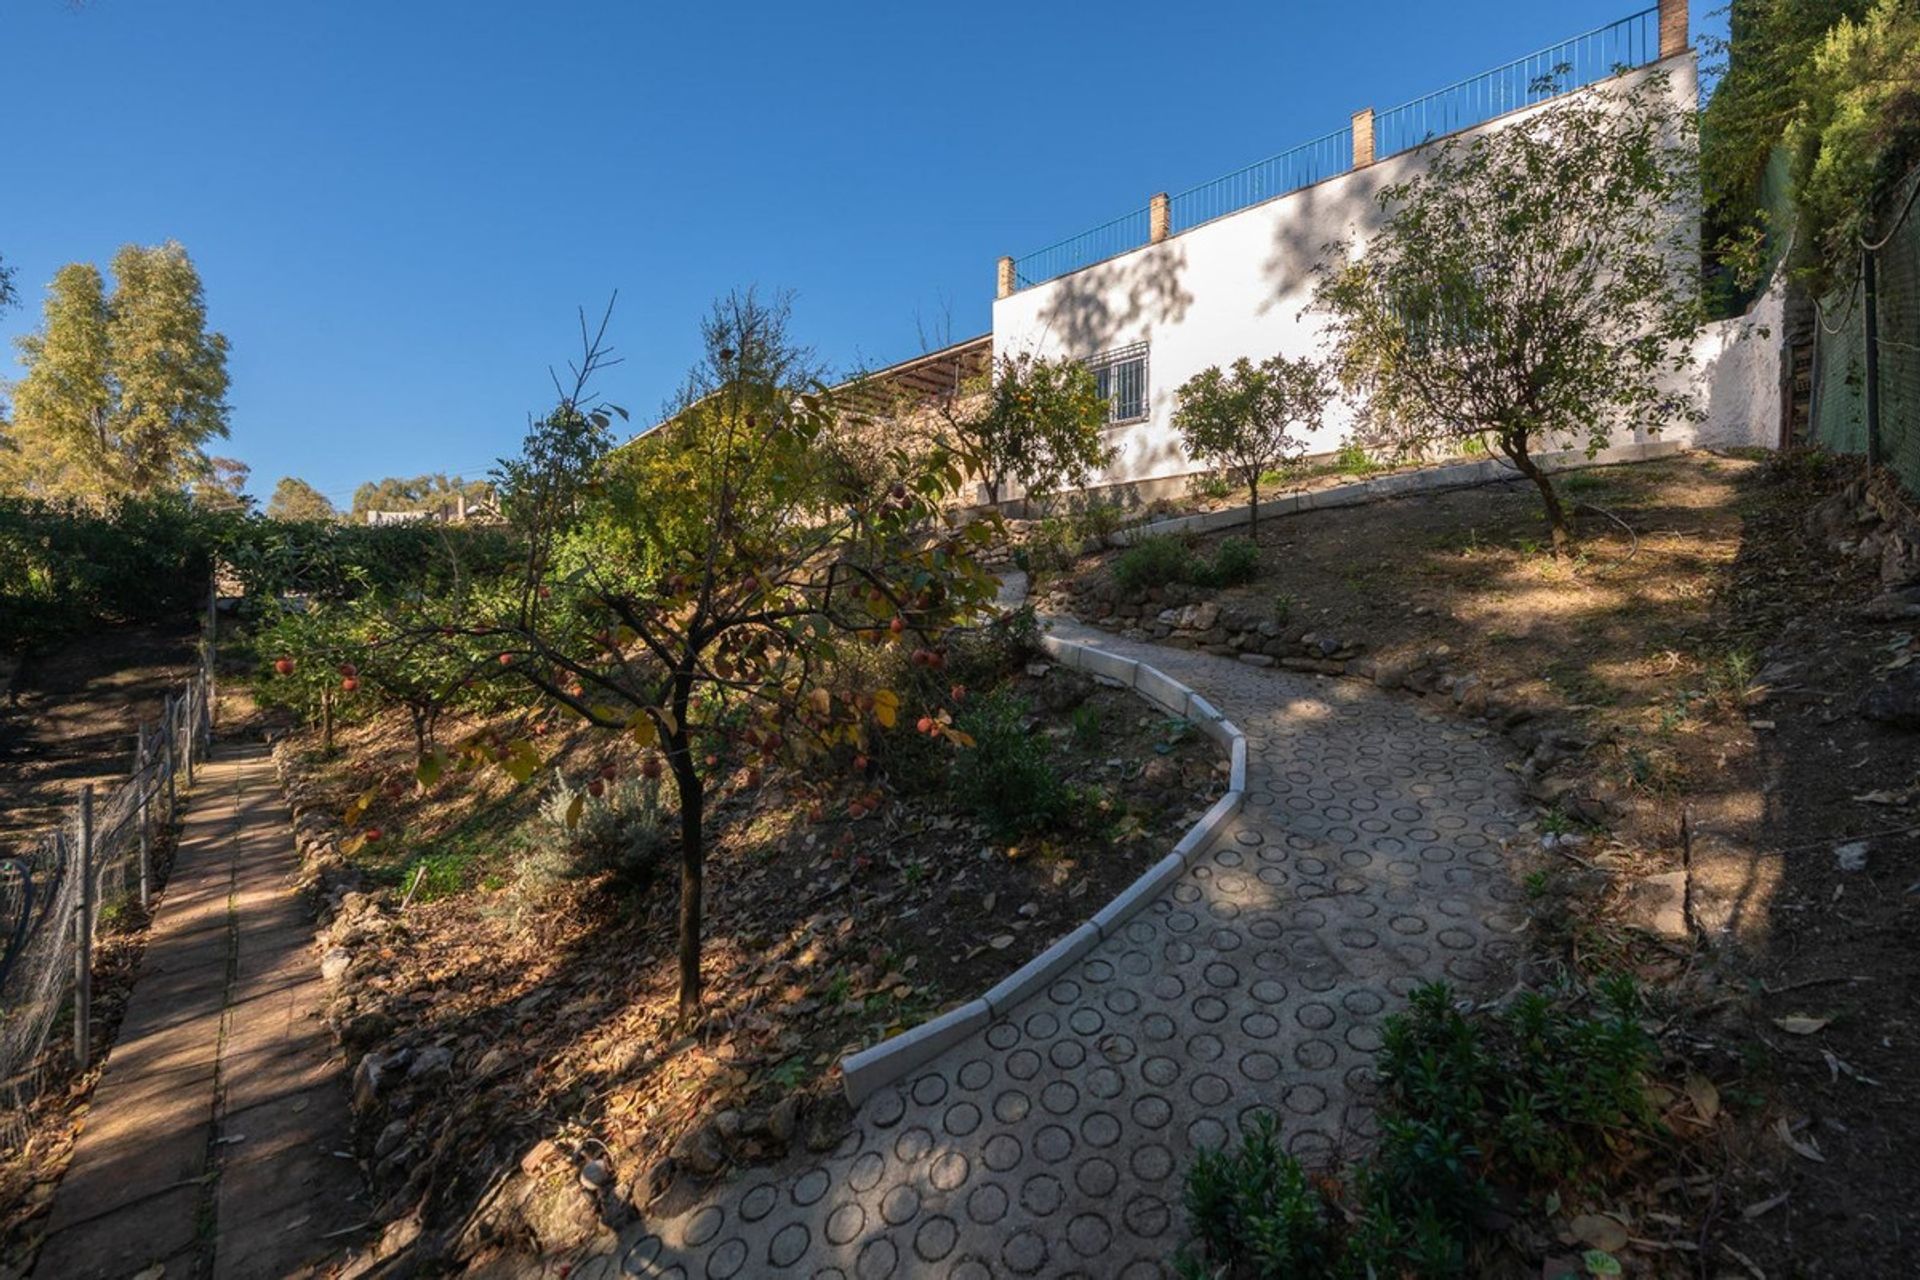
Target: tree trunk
{"x": 1556, "y": 514}
{"x": 692, "y": 870}
{"x": 326, "y": 719}
{"x": 1253, "y": 504}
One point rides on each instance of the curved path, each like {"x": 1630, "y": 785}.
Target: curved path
{"x": 1369, "y": 858}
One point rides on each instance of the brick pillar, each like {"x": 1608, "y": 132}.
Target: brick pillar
{"x": 1673, "y": 27}
{"x": 1007, "y": 285}
{"x": 1363, "y": 137}
{"x": 1158, "y": 220}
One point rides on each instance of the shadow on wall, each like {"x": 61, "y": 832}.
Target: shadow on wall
{"x": 1120, "y": 301}
{"x": 1307, "y": 234}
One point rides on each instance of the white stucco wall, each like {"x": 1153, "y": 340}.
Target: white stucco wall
{"x": 1736, "y": 376}
{"x": 1241, "y": 285}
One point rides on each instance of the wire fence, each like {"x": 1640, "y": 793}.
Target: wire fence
{"x": 1866, "y": 349}
{"x": 53, "y": 896}
{"x": 1632, "y": 41}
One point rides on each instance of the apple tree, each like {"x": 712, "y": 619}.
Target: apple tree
{"x": 1242, "y": 420}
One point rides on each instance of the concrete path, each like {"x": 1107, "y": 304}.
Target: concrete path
{"x": 1369, "y": 858}
{"x": 209, "y": 1144}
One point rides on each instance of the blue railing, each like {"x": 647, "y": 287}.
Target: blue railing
{"x": 1632, "y": 41}
{"x": 1301, "y": 166}
{"x": 1594, "y": 55}
{"x": 1109, "y": 239}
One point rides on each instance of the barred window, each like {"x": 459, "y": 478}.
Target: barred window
{"x": 1121, "y": 377}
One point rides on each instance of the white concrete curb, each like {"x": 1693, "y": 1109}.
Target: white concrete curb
{"x": 864, "y": 1073}
{"x": 1456, "y": 475}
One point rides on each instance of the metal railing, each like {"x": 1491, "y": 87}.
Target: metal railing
{"x": 53, "y": 893}
{"x": 1571, "y": 64}
{"x": 1297, "y": 167}
{"x": 1561, "y": 68}
{"x": 1109, "y": 239}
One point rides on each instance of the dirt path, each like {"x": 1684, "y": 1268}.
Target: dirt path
{"x": 210, "y": 1143}
{"x": 1370, "y": 857}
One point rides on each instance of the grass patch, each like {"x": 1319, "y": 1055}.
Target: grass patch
{"x": 1162, "y": 559}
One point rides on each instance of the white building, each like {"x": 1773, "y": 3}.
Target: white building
{"x": 1227, "y": 269}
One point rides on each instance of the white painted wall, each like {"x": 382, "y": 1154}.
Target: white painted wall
{"x": 1736, "y": 377}
{"x": 1242, "y": 285}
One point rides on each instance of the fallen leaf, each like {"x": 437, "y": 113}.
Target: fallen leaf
{"x": 1805, "y": 1150}
{"x": 1600, "y": 1231}
{"x": 1759, "y": 1207}
{"x": 1799, "y": 1024}
{"x": 1706, "y": 1098}
{"x": 1002, "y": 942}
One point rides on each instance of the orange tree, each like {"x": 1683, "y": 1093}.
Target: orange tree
{"x": 694, "y": 588}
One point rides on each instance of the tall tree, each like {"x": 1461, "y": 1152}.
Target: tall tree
{"x": 223, "y": 486}
{"x": 62, "y": 406}
{"x": 170, "y": 374}
{"x": 1534, "y": 288}
{"x": 295, "y": 499}
{"x": 122, "y": 390}
{"x": 434, "y": 491}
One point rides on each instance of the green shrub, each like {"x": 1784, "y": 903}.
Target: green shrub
{"x": 1352, "y": 459}
{"x": 621, "y": 834}
{"x": 1006, "y": 779}
{"x": 1235, "y": 561}
{"x": 1154, "y": 561}
{"x": 1550, "y": 1093}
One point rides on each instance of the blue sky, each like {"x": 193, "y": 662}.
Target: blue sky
{"x": 397, "y": 207}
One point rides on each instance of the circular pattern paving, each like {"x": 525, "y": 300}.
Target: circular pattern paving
{"x": 1368, "y": 858}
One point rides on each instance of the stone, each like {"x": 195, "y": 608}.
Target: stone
{"x": 365, "y": 1030}
{"x": 699, "y": 1151}
{"x": 430, "y": 1063}
{"x": 1895, "y": 700}
{"x": 1658, "y": 904}
{"x": 783, "y": 1121}
{"x": 1851, "y": 855}
{"x": 1900, "y": 560}
{"x": 1892, "y": 606}
{"x": 1257, "y": 659}
{"x": 595, "y": 1175}
{"x": 539, "y": 1156}
{"x": 334, "y": 964}
{"x": 390, "y": 1139}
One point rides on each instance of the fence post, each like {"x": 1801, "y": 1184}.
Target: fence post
{"x": 83, "y": 939}
{"x": 1870, "y": 272}
{"x": 168, "y": 730}
{"x": 141, "y": 781}
{"x": 191, "y": 719}
{"x": 1363, "y": 137}
{"x": 1673, "y": 27}
{"x": 1006, "y": 283}
{"x": 1159, "y": 218}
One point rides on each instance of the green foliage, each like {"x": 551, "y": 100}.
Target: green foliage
{"x": 622, "y": 834}
{"x": 434, "y": 492}
{"x": 1163, "y": 558}
{"x": 64, "y": 567}
{"x": 1007, "y": 778}
{"x": 329, "y": 560}
{"x": 1243, "y": 420}
{"x": 1534, "y": 284}
{"x": 1855, "y": 134}
{"x": 1037, "y": 423}
{"x": 1540, "y": 1098}
{"x": 123, "y": 389}
{"x": 295, "y": 500}
{"x": 1352, "y": 458}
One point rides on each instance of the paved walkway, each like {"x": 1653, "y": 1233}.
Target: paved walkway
{"x": 209, "y": 1145}
{"x": 1368, "y": 859}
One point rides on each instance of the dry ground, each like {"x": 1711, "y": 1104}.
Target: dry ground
{"x": 1711, "y": 649}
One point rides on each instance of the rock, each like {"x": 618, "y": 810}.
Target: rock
{"x": 334, "y": 964}
{"x": 365, "y": 1030}
{"x": 1900, "y": 560}
{"x": 784, "y": 1120}
{"x": 1658, "y": 904}
{"x": 728, "y": 1125}
{"x": 1159, "y": 774}
{"x": 699, "y": 1151}
{"x": 1895, "y": 700}
{"x": 1892, "y": 606}
{"x": 1038, "y": 669}
{"x": 429, "y": 1063}
{"x": 595, "y": 1174}
{"x": 390, "y": 1139}
{"x": 370, "y": 1078}
{"x": 1256, "y": 659}
{"x": 491, "y": 1062}
{"x": 1851, "y": 855}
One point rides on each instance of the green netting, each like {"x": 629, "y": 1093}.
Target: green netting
{"x": 1840, "y": 353}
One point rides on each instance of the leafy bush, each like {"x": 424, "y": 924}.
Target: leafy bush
{"x": 982, "y": 655}
{"x": 1006, "y": 778}
{"x": 1154, "y": 561}
{"x": 622, "y": 834}
{"x": 66, "y": 567}
{"x": 1535, "y": 1098}
{"x": 1163, "y": 558}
